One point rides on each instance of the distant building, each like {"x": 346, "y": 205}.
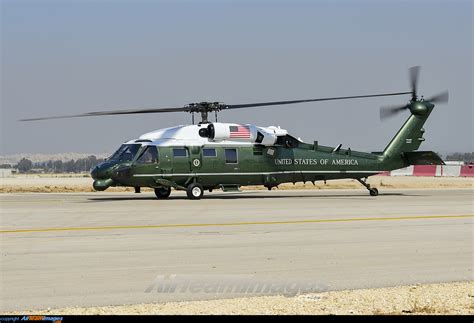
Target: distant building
{"x": 6, "y": 172}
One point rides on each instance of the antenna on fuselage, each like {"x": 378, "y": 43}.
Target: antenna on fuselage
{"x": 336, "y": 150}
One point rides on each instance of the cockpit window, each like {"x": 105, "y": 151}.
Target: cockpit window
{"x": 149, "y": 156}
{"x": 126, "y": 152}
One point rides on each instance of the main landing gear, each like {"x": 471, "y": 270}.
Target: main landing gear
{"x": 194, "y": 191}
{"x": 372, "y": 190}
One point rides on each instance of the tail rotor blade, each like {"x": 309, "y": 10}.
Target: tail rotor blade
{"x": 439, "y": 98}
{"x": 387, "y": 112}
{"x": 414, "y": 73}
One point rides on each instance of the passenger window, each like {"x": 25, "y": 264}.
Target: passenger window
{"x": 180, "y": 152}
{"x": 209, "y": 152}
{"x": 231, "y": 156}
{"x": 149, "y": 156}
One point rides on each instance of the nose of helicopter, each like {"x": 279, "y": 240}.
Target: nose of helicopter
{"x": 109, "y": 173}
{"x": 102, "y": 176}
{"x": 94, "y": 172}
{"x": 100, "y": 171}
{"x": 103, "y": 170}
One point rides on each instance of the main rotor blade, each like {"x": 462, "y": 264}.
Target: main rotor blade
{"x": 262, "y": 104}
{"x": 414, "y": 73}
{"x": 387, "y": 112}
{"x": 109, "y": 113}
{"x": 439, "y": 98}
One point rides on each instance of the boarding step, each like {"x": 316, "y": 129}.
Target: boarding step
{"x": 230, "y": 188}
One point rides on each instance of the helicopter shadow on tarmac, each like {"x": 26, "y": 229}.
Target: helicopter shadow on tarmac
{"x": 239, "y": 195}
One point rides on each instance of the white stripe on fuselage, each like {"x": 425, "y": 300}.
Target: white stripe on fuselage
{"x": 264, "y": 173}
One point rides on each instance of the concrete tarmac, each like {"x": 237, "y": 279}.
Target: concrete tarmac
{"x": 90, "y": 249}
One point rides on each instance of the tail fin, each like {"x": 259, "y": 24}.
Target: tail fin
{"x": 410, "y": 135}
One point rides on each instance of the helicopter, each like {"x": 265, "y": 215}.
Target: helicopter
{"x": 216, "y": 155}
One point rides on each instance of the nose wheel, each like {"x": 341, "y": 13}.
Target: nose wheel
{"x": 372, "y": 190}
{"x": 162, "y": 192}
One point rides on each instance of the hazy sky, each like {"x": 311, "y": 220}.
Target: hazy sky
{"x": 63, "y": 57}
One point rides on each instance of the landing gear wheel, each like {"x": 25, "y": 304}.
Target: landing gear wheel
{"x": 162, "y": 192}
{"x": 374, "y": 192}
{"x": 194, "y": 191}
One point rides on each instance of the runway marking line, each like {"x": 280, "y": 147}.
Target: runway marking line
{"x": 32, "y": 201}
{"x": 192, "y": 225}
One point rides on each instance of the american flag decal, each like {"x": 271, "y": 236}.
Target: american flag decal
{"x": 239, "y": 131}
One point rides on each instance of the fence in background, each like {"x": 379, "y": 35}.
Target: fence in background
{"x": 434, "y": 171}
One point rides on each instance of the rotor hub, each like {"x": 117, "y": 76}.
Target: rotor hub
{"x": 418, "y": 108}
{"x": 204, "y": 108}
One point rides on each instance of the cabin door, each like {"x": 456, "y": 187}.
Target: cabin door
{"x": 195, "y": 158}
{"x": 181, "y": 160}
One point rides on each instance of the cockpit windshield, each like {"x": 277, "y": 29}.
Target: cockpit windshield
{"x": 126, "y": 152}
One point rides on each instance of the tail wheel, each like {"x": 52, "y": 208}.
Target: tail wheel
{"x": 194, "y": 191}
{"x": 162, "y": 192}
{"x": 374, "y": 192}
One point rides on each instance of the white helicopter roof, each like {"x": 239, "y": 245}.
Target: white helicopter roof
{"x": 188, "y": 135}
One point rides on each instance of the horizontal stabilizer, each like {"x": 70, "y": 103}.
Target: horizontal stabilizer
{"x": 423, "y": 158}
